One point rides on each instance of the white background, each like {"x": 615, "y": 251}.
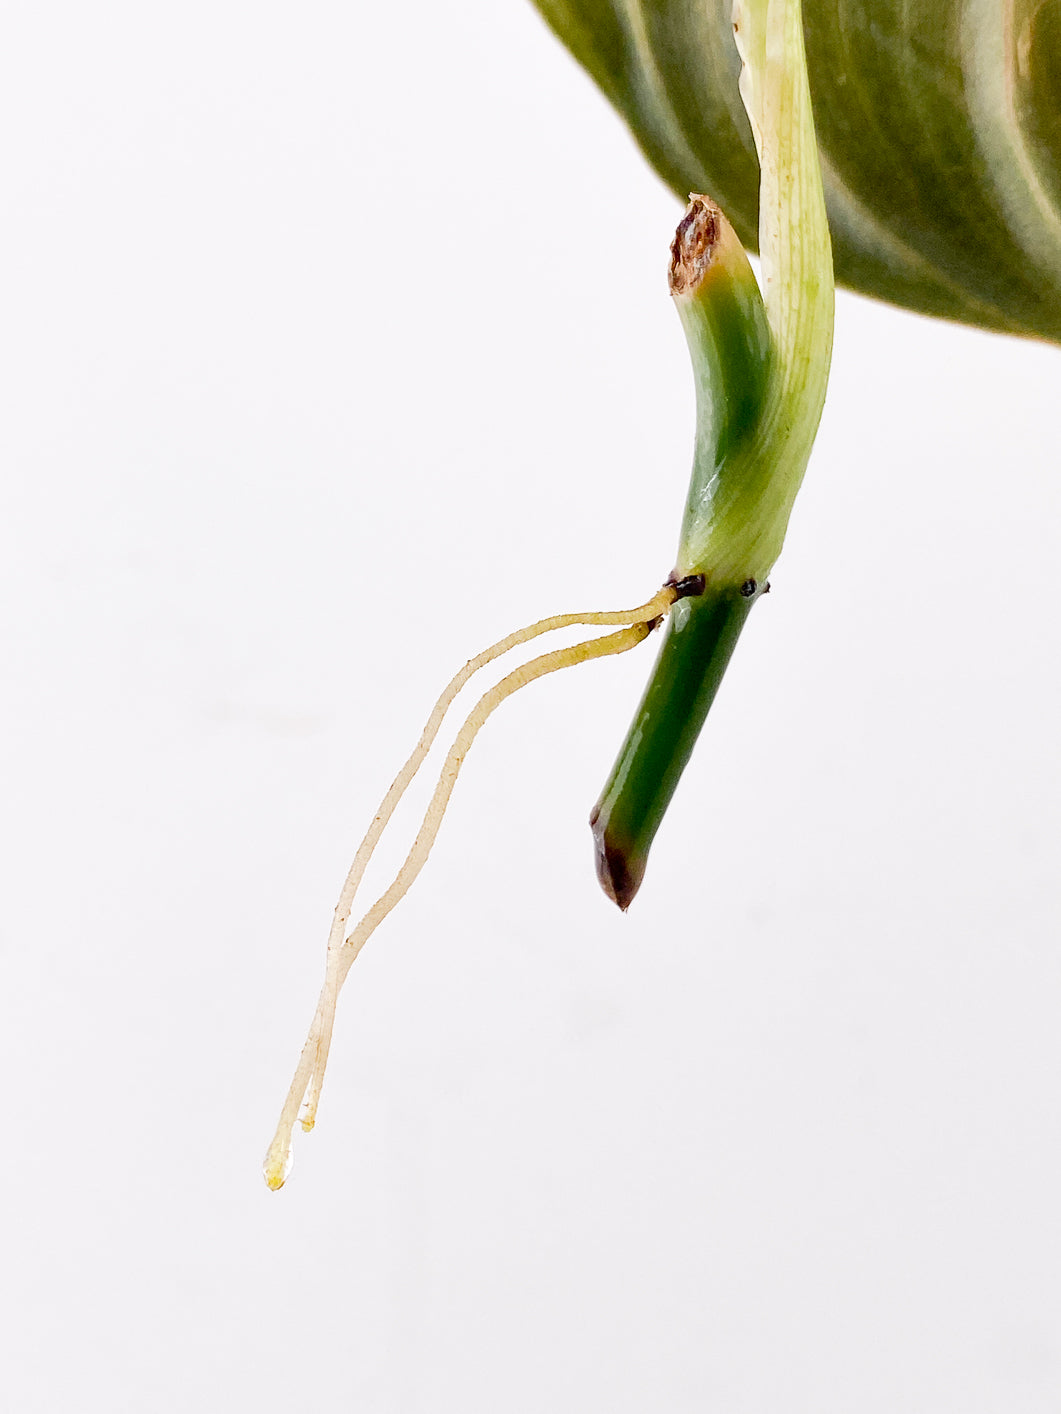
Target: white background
{"x": 335, "y": 342}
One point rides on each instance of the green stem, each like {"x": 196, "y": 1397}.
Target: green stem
{"x": 700, "y": 636}
{"x": 761, "y": 369}
{"x": 724, "y": 318}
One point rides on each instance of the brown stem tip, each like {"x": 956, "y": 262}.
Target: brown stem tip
{"x": 619, "y": 880}
{"x": 694, "y": 244}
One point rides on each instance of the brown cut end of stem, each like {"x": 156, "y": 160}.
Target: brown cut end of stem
{"x": 693, "y": 246}
{"x": 616, "y": 878}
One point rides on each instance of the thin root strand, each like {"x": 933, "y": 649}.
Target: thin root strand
{"x": 309, "y": 1074}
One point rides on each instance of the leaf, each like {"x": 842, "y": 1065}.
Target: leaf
{"x": 939, "y": 133}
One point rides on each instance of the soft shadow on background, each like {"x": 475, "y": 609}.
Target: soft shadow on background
{"x": 336, "y": 343}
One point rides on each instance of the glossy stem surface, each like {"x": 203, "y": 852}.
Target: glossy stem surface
{"x": 700, "y": 636}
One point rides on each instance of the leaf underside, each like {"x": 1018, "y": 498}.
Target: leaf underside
{"x": 939, "y": 130}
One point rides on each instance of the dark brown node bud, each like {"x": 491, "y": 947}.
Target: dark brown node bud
{"x": 748, "y": 588}
{"x": 690, "y": 586}
{"x": 694, "y": 244}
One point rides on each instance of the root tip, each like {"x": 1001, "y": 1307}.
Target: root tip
{"x": 277, "y": 1166}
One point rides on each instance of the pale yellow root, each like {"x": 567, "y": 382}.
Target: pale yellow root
{"x": 659, "y": 604}
{"x": 641, "y": 614}
{"x": 309, "y": 1074}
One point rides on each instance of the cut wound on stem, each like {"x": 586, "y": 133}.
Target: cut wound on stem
{"x": 693, "y": 246}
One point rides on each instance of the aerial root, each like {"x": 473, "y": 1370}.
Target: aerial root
{"x": 343, "y": 950}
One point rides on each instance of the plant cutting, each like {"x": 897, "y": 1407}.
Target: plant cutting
{"x": 929, "y": 174}
{"x": 909, "y": 147}
{"x": 760, "y": 363}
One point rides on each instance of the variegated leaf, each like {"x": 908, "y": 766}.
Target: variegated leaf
{"x": 939, "y": 129}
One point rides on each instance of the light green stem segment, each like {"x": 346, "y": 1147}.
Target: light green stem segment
{"x": 761, "y": 365}
{"x": 737, "y": 515}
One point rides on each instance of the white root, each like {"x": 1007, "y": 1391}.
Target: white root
{"x": 342, "y": 951}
